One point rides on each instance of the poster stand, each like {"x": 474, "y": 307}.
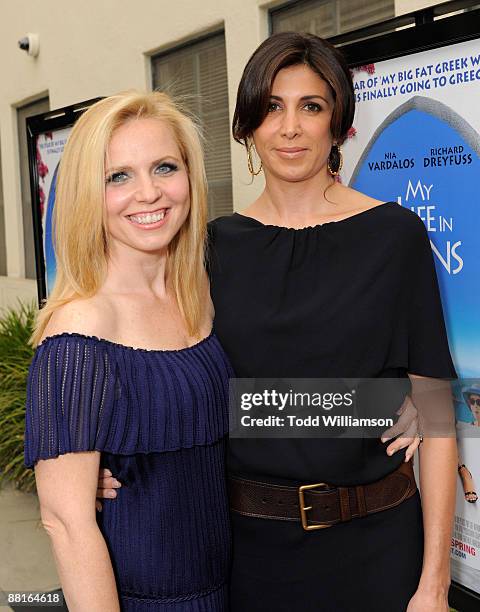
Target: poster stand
{"x": 51, "y": 123}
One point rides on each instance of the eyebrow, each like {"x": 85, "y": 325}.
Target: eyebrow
{"x": 154, "y": 163}
{"x": 303, "y": 98}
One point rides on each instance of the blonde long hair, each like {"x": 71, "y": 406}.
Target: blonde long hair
{"x": 79, "y": 218}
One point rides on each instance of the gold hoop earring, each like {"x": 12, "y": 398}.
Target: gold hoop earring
{"x": 335, "y": 160}
{"x": 250, "y": 161}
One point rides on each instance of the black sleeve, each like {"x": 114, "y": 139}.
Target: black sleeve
{"x": 428, "y": 350}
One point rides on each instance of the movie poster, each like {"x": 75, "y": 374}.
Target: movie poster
{"x": 49, "y": 148}
{"x": 416, "y": 141}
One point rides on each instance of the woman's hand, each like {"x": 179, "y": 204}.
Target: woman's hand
{"x": 426, "y": 600}
{"x": 406, "y": 428}
{"x": 106, "y": 487}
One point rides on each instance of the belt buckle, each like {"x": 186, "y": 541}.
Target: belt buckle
{"x": 304, "y": 509}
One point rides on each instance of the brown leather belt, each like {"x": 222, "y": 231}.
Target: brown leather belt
{"x": 320, "y": 505}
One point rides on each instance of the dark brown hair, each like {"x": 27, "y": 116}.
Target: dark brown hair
{"x": 288, "y": 49}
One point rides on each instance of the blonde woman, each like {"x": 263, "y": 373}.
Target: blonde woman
{"x": 127, "y": 373}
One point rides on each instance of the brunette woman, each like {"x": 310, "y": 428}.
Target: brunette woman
{"x": 314, "y": 279}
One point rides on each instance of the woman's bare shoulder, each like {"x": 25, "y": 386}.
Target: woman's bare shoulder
{"x": 94, "y": 316}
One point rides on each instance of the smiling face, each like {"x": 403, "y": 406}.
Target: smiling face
{"x": 294, "y": 139}
{"x": 146, "y": 186}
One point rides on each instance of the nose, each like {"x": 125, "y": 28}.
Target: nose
{"x": 291, "y": 126}
{"x": 147, "y": 189}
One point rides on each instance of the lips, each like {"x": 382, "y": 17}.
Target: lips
{"x": 291, "y": 153}
{"x": 291, "y": 149}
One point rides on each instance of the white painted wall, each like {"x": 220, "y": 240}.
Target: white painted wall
{"x": 407, "y": 6}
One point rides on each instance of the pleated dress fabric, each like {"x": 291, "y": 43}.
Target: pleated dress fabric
{"x": 356, "y": 298}
{"x": 159, "y": 419}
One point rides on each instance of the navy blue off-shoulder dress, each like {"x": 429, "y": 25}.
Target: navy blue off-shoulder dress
{"x": 159, "y": 419}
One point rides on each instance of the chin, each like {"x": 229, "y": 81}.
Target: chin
{"x": 153, "y": 248}
{"x": 294, "y": 176}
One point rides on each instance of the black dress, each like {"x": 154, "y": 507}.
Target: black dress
{"x": 354, "y": 298}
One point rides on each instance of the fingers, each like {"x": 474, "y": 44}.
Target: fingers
{"x": 399, "y": 428}
{"x": 398, "y": 444}
{"x": 407, "y": 438}
{"x": 106, "y": 494}
{"x": 98, "y": 506}
{"x": 108, "y": 483}
{"x": 412, "y": 447}
{"x": 104, "y": 473}
{"x": 408, "y": 416}
{"x": 106, "y": 488}
{"x": 411, "y": 432}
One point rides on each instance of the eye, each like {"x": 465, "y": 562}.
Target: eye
{"x": 313, "y": 107}
{"x": 117, "y": 177}
{"x": 166, "y": 168}
{"x": 273, "y": 106}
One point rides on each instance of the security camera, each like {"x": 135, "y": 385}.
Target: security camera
{"x": 31, "y": 44}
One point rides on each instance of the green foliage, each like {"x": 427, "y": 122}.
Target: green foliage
{"x": 16, "y": 327}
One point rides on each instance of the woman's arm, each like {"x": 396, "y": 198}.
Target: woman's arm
{"x": 66, "y": 489}
{"x": 438, "y": 469}
{"x": 405, "y": 432}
